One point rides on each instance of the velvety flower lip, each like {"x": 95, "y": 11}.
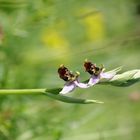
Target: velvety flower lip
{"x": 72, "y": 80}
{"x": 96, "y": 73}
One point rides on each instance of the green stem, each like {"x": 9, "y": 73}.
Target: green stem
{"x": 53, "y": 93}
{"x": 21, "y": 91}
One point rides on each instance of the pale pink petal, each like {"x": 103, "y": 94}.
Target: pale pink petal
{"x": 107, "y": 75}
{"x": 81, "y": 85}
{"x": 68, "y": 88}
{"x": 93, "y": 80}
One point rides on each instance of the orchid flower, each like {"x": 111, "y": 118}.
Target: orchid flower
{"x": 97, "y": 73}
{"x": 72, "y": 80}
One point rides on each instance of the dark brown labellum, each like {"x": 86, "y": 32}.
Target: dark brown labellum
{"x": 92, "y": 68}
{"x": 89, "y": 67}
{"x": 64, "y": 73}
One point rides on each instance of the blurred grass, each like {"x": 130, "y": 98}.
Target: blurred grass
{"x": 36, "y": 37}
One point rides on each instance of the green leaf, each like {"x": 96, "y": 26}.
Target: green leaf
{"x": 115, "y": 70}
{"x": 126, "y": 79}
{"x": 54, "y": 94}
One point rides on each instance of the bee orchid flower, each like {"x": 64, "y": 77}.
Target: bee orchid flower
{"x": 97, "y": 73}
{"x": 72, "y": 80}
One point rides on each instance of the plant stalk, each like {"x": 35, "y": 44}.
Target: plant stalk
{"x": 22, "y": 91}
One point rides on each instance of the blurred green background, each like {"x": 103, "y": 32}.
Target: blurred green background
{"x": 37, "y": 36}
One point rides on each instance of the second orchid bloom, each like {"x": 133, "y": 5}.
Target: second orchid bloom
{"x": 97, "y": 73}
{"x": 72, "y": 80}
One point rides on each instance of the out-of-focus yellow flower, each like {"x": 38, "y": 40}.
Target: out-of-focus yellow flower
{"x": 52, "y": 38}
{"x": 93, "y": 22}
{"x": 95, "y": 27}
{"x": 57, "y": 45}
